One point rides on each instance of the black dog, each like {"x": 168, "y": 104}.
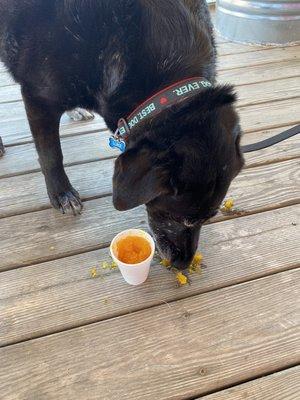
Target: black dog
{"x": 109, "y": 56}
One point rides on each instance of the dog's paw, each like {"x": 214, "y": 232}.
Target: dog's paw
{"x": 80, "y": 114}
{"x": 2, "y": 148}
{"x": 67, "y": 202}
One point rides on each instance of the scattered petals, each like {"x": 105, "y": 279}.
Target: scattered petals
{"x": 181, "y": 279}
{"x": 195, "y": 267}
{"x": 109, "y": 265}
{"x": 165, "y": 263}
{"x": 228, "y": 205}
{"x": 93, "y": 273}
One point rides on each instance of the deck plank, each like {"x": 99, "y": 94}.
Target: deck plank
{"x": 5, "y": 79}
{"x": 10, "y": 94}
{"x": 264, "y": 92}
{"x": 257, "y": 117}
{"x": 253, "y": 189}
{"x": 234, "y": 61}
{"x": 18, "y": 132}
{"x": 78, "y": 149}
{"x": 234, "y": 251}
{"x": 261, "y": 73}
{"x": 185, "y": 350}
{"x": 225, "y": 48}
{"x": 284, "y": 385}
{"x": 285, "y": 150}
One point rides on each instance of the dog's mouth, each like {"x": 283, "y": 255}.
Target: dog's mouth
{"x": 175, "y": 244}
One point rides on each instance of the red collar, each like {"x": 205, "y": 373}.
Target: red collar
{"x": 155, "y": 104}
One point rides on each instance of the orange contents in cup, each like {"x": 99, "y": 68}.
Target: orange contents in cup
{"x": 133, "y": 249}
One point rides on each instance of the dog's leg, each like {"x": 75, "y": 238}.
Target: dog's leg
{"x": 44, "y": 124}
{"x": 2, "y": 148}
{"x": 80, "y": 114}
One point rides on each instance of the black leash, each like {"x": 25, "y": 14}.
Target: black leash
{"x": 272, "y": 140}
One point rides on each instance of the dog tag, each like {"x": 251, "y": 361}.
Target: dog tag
{"x": 117, "y": 144}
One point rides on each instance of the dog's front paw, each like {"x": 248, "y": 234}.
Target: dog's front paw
{"x": 67, "y": 202}
{"x": 2, "y": 148}
{"x": 80, "y": 114}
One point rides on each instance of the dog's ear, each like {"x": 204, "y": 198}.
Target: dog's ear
{"x": 207, "y": 101}
{"x": 219, "y": 96}
{"x": 138, "y": 179}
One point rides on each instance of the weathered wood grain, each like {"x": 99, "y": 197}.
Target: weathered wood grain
{"x": 285, "y": 150}
{"x": 5, "y": 79}
{"x": 27, "y": 193}
{"x": 15, "y": 112}
{"x": 2, "y": 67}
{"x": 256, "y": 188}
{"x": 225, "y": 48}
{"x": 202, "y": 343}
{"x": 284, "y": 385}
{"x": 258, "y": 117}
{"x": 261, "y": 73}
{"x": 94, "y": 146}
{"x": 57, "y": 295}
{"x": 17, "y": 132}
{"x": 10, "y": 94}
{"x": 29, "y": 238}
{"x": 277, "y": 54}
{"x": 264, "y": 92}
{"x": 77, "y": 150}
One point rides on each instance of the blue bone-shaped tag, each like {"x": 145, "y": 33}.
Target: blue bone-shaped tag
{"x": 117, "y": 144}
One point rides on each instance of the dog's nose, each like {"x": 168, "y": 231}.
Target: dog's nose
{"x": 186, "y": 247}
{"x": 182, "y": 260}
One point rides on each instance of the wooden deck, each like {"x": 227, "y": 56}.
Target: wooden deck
{"x": 232, "y": 335}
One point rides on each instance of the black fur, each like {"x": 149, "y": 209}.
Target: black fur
{"x": 108, "y": 56}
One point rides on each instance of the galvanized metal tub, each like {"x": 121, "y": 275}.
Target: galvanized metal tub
{"x": 259, "y": 21}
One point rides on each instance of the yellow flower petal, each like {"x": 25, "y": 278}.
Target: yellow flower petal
{"x": 197, "y": 259}
{"x": 181, "y": 279}
{"x": 229, "y": 204}
{"x": 93, "y": 273}
{"x": 165, "y": 263}
{"x": 113, "y": 265}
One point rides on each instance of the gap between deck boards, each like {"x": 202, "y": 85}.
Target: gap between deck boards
{"x": 282, "y": 384}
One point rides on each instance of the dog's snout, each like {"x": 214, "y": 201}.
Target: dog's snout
{"x": 182, "y": 260}
{"x": 176, "y": 242}
{"x": 186, "y": 248}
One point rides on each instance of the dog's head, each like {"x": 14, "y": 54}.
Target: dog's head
{"x": 180, "y": 165}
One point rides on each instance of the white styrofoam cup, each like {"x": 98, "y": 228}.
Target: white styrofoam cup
{"x": 134, "y": 274}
